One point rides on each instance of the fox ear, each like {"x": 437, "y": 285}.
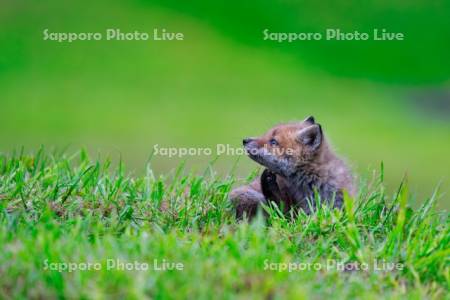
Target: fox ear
{"x": 311, "y": 136}
{"x": 310, "y": 120}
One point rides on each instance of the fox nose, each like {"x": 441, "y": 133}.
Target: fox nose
{"x": 246, "y": 141}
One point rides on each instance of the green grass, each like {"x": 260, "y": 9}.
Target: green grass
{"x": 56, "y": 208}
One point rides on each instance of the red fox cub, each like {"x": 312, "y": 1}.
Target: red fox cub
{"x": 300, "y": 165}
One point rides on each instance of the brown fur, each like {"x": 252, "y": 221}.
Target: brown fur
{"x": 299, "y": 164}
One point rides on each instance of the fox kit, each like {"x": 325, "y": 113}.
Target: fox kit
{"x": 299, "y": 165}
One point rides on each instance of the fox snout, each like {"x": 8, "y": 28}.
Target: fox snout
{"x": 251, "y": 143}
{"x": 247, "y": 141}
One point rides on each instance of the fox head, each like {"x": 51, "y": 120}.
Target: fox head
{"x": 284, "y": 147}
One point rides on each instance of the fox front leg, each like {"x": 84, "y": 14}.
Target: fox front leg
{"x": 269, "y": 187}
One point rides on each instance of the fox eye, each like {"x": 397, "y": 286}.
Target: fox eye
{"x": 273, "y": 142}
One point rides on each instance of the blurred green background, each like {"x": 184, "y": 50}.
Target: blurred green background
{"x": 377, "y": 101}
